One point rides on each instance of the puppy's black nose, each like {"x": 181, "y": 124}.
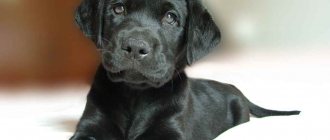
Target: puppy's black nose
{"x": 135, "y": 48}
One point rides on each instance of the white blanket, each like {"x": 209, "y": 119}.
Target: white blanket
{"x": 273, "y": 80}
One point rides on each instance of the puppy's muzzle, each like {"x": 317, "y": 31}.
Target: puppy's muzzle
{"x": 136, "y": 49}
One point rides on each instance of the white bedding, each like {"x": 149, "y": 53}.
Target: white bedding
{"x": 284, "y": 81}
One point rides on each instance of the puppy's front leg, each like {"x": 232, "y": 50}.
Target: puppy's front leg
{"x": 77, "y": 137}
{"x": 92, "y": 125}
{"x": 168, "y": 128}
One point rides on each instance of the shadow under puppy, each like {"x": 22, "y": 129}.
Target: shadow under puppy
{"x": 141, "y": 91}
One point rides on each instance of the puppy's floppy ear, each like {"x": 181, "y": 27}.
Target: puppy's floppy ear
{"x": 202, "y": 33}
{"x": 89, "y": 18}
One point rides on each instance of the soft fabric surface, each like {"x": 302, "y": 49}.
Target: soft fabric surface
{"x": 279, "y": 80}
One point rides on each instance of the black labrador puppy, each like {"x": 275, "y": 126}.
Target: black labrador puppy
{"x": 141, "y": 91}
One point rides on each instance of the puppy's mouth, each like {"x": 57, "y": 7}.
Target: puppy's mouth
{"x": 134, "y": 72}
{"x": 135, "y": 78}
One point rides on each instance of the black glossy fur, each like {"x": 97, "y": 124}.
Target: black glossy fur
{"x": 140, "y": 91}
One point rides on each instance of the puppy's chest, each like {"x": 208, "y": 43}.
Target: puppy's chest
{"x": 134, "y": 118}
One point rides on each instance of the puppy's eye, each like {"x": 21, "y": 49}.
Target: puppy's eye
{"x": 119, "y": 9}
{"x": 170, "y": 18}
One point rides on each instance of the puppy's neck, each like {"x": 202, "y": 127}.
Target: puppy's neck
{"x": 102, "y": 81}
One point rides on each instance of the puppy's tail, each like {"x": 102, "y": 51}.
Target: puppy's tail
{"x": 262, "y": 112}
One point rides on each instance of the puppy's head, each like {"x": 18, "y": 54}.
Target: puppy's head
{"x": 147, "y": 42}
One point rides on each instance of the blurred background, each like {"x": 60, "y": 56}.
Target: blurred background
{"x": 274, "y": 23}
{"x": 275, "y": 51}
{"x": 39, "y": 43}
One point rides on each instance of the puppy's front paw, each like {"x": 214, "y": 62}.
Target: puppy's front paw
{"x": 82, "y": 138}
